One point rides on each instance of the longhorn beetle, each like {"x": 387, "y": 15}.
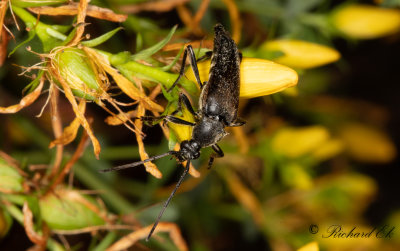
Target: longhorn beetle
{"x": 218, "y": 106}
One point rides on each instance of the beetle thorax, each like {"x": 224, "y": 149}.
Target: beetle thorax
{"x": 208, "y": 131}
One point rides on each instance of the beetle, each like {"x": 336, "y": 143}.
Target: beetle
{"x": 218, "y": 107}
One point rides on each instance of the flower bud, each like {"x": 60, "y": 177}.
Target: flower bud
{"x": 75, "y": 69}
{"x": 296, "y": 142}
{"x": 68, "y": 210}
{"x": 366, "y": 22}
{"x": 258, "y": 77}
{"x": 301, "y": 54}
{"x": 10, "y": 179}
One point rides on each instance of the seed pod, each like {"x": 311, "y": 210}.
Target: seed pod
{"x": 68, "y": 210}
{"x": 10, "y": 179}
{"x": 75, "y": 68}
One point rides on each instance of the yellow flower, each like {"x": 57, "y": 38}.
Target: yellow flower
{"x": 312, "y": 246}
{"x": 367, "y": 144}
{"x": 295, "y": 142}
{"x": 296, "y": 176}
{"x": 301, "y": 54}
{"x": 258, "y": 77}
{"x": 366, "y": 22}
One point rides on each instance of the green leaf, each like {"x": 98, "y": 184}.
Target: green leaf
{"x": 49, "y": 40}
{"x": 99, "y": 40}
{"x": 33, "y": 203}
{"x": 31, "y": 35}
{"x": 32, "y": 85}
{"x": 70, "y": 36}
{"x": 54, "y": 33}
{"x": 168, "y": 67}
{"x": 150, "y": 51}
{"x": 36, "y": 3}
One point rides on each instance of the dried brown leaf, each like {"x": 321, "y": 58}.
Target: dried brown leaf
{"x": 82, "y": 8}
{"x": 77, "y": 154}
{"x": 120, "y": 119}
{"x": 195, "y": 44}
{"x": 157, "y": 6}
{"x": 150, "y": 167}
{"x": 36, "y": 238}
{"x": 25, "y": 101}
{"x": 123, "y": 83}
{"x": 132, "y": 238}
{"x": 80, "y": 116}
{"x": 235, "y": 19}
{"x": 245, "y": 196}
{"x": 3, "y": 46}
{"x": 56, "y": 123}
{"x": 69, "y": 133}
{"x": 72, "y": 10}
{"x": 241, "y": 139}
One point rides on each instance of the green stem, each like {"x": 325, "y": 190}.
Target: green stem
{"x": 106, "y": 242}
{"x": 155, "y": 74}
{"x": 148, "y": 72}
{"x": 15, "y": 213}
{"x": 14, "y": 198}
{"x": 28, "y": 19}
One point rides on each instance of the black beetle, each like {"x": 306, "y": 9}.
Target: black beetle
{"x": 218, "y": 106}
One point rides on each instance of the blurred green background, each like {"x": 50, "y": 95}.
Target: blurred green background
{"x": 322, "y": 153}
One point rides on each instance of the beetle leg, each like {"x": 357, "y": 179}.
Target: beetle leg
{"x": 206, "y": 56}
{"x": 150, "y": 119}
{"x": 192, "y": 57}
{"x": 178, "y": 121}
{"x": 183, "y": 99}
{"x": 218, "y": 154}
{"x": 238, "y": 122}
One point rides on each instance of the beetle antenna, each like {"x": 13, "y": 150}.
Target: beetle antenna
{"x": 169, "y": 199}
{"x": 138, "y": 163}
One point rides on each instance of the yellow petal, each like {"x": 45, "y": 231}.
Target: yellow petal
{"x": 295, "y": 142}
{"x": 312, "y": 246}
{"x": 366, "y": 22}
{"x": 328, "y": 149}
{"x": 258, "y": 77}
{"x": 367, "y": 144}
{"x": 120, "y": 118}
{"x": 183, "y": 132}
{"x": 301, "y": 54}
